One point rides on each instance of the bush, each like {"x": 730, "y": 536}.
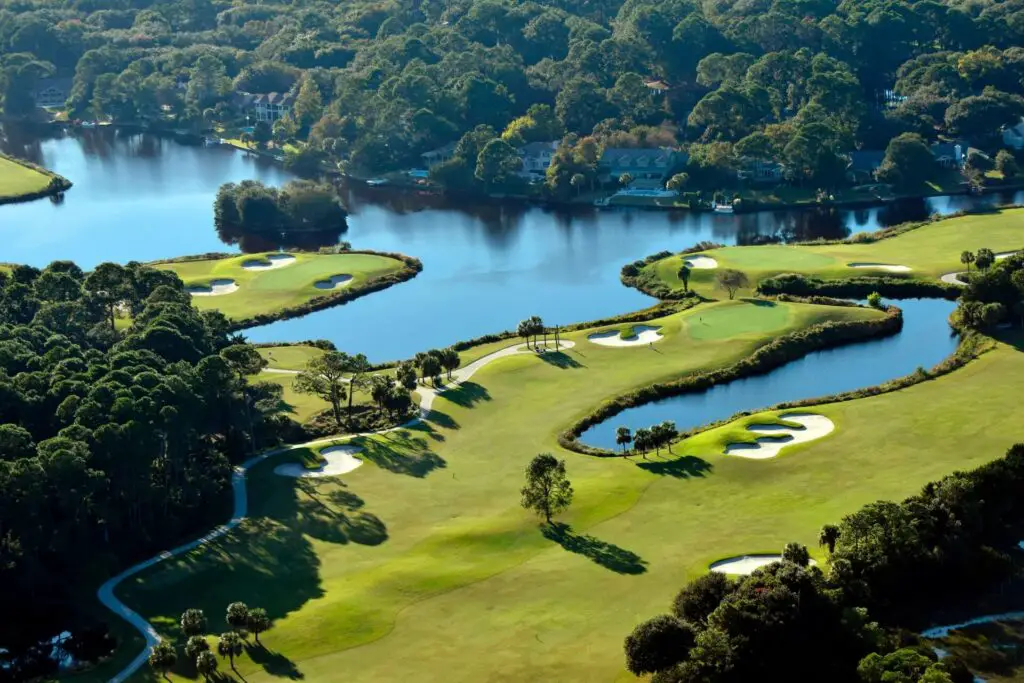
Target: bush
{"x": 858, "y": 287}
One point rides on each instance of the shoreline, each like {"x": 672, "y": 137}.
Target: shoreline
{"x": 57, "y": 186}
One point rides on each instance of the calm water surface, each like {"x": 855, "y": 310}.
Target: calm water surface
{"x": 486, "y": 266}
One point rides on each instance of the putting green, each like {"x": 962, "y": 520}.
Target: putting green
{"x": 733, "y": 321}
{"x": 17, "y": 180}
{"x": 929, "y": 251}
{"x": 272, "y": 290}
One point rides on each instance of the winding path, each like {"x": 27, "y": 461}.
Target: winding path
{"x": 106, "y": 595}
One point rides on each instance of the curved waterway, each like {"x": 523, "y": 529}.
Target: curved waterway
{"x": 925, "y": 340}
{"x": 486, "y": 265}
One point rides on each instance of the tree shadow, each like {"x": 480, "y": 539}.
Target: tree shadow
{"x": 608, "y": 555}
{"x": 467, "y": 394}
{"x": 274, "y": 663}
{"x": 395, "y": 460}
{"x": 764, "y": 303}
{"x": 318, "y": 516}
{"x": 441, "y": 419}
{"x": 683, "y": 467}
{"x": 560, "y": 360}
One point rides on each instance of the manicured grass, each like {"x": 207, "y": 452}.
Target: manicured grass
{"x": 300, "y": 407}
{"x": 272, "y": 290}
{"x": 17, "y": 180}
{"x": 447, "y": 495}
{"x": 929, "y": 251}
{"x": 289, "y": 357}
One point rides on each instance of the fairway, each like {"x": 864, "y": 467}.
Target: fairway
{"x": 292, "y": 357}
{"x": 269, "y": 290}
{"x": 929, "y": 251}
{"x": 17, "y": 180}
{"x": 732, "y": 321}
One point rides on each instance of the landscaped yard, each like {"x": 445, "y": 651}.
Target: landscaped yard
{"x": 253, "y": 291}
{"x": 17, "y": 180}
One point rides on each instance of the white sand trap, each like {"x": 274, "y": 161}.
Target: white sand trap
{"x": 643, "y": 335}
{"x": 700, "y": 262}
{"x": 333, "y": 282}
{"x": 1006, "y": 254}
{"x": 215, "y": 288}
{"x": 269, "y": 263}
{"x": 339, "y": 460}
{"x": 881, "y": 266}
{"x": 778, "y": 436}
{"x": 745, "y": 564}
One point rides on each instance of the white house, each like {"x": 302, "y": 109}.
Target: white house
{"x": 536, "y": 157}
{"x": 439, "y": 155}
{"x": 269, "y": 107}
{"x": 948, "y": 154}
{"x": 52, "y": 92}
{"x": 1013, "y": 136}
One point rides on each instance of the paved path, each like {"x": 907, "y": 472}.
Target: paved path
{"x": 954, "y": 278}
{"x": 106, "y": 595}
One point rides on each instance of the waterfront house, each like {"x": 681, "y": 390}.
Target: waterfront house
{"x": 864, "y": 164}
{"x": 439, "y": 155}
{"x": 52, "y": 92}
{"x": 640, "y": 164}
{"x": 1013, "y": 136}
{"x": 536, "y": 157}
{"x": 760, "y": 170}
{"x": 267, "y": 107}
{"x": 948, "y": 154}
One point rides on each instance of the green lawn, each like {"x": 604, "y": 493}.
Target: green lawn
{"x": 273, "y": 290}
{"x": 289, "y": 357}
{"x": 929, "y": 251}
{"x": 424, "y": 558}
{"x": 17, "y": 180}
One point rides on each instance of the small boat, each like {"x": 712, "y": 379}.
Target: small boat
{"x": 603, "y": 201}
{"x": 376, "y": 182}
{"x": 211, "y": 141}
{"x": 88, "y": 124}
{"x": 723, "y": 208}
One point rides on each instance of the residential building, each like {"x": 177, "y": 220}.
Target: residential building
{"x": 949, "y": 154}
{"x": 52, "y": 92}
{"x": 658, "y": 87}
{"x": 536, "y": 157}
{"x": 1013, "y": 136}
{"x": 760, "y": 170}
{"x": 267, "y": 107}
{"x": 863, "y": 165}
{"x": 438, "y": 156}
{"x": 641, "y": 164}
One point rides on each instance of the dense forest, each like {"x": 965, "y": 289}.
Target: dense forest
{"x": 114, "y": 438}
{"x": 377, "y": 84}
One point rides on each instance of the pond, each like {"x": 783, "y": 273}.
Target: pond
{"x": 486, "y": 265}
{"x": 926, "y": 339}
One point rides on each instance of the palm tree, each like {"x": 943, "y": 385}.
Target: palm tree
{"x": 684, "y": 275}
{"x": 668, "y": 428}
{"x": 537, "y": 326}
{"x": 967, "y": 258}
{"x": 206, "y": 665}
{"x": 577, "y": 181}
{"x": 623, "y": 436}
{"x": 642, "y": 441}
{"x": 828, "y": 536}
{"x": 194, "y": 646}
{"x": 524, "y": 331}
{"x": 237, "y": 616}
{"x": 193, "y": 622}
{"x": 163, "y": 658}
{"x": 450, "y": 360}
{"x": 259, "y": 622}
{"x": 230, "y": 646}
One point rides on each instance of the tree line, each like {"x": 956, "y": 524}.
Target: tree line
{"x": 300, "y": 206}
{"x": 994, "y": 294}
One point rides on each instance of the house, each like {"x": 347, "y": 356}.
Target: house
{"x": 439, "y": 155}
{"x": 948, "y": 154}
{"x": 657, "y": 87}
{"x": 269, "y": 107}
{"x": 1013, "y": 136}
{"x": 52, "y": 92}
{"x": 640, "y": 164}
{"x": 536, "y": 157}
{"x": 760, "y": 170}
{"x": 863, "y": 165}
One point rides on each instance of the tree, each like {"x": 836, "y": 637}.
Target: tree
{"x": 537, "y": 327}
{"x": 967, "y": 258}
{"x": 658, "y": 644}
{"x": 450, "y": 360}
{"x": 984, "y": 258}
{"x": 684, "y": 276}
{"x": 908, "y": 161}
{"x": 525, "y": 330}
{"x": 797, "y": 554}
{"x": 324, "y": 376}
{"x": 356, "y": 367}
{"x": 699, "y": 598}
{"x": 678, "y": 182}
{"x": 237, "y": 616}
{"x": 577, "y": 180}
{"x": 1006, "y": 164}
{"x": 547, "y": 491}
{"x": 111, "y": 284}
{"x": 875, "y": 300}
{"x": 625, "y": 179}
{"x": 669, "y": 433}
{"x": 380, "y": 389}
{"x": 194, "y": 646}
{"x": 405, "y": 374}
{"x": 497, "y": 161}
{"x": 309, "y": 105}
{"x": 163, "y": 658}
{"x": 642, "y": 440}
{"x": 732, "y": 280}
{"x": 206, "y": 665}
{"x": 828, "y": 536}
{"x": 193, "y": 622}
{"x": 623, "y": 437}
{"x": 431, "y": 366}
{"x": 258, "y": 622}
{"x": 230, "y": 646}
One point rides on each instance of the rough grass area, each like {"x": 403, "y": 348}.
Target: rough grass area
{"x": 929, "y": 251}
{"x": 17, "y": 180}
{"x": 273, "y": 290}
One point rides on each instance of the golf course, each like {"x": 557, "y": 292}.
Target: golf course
{"x": 19, "y": 180}
{"x": 272, "y": 284}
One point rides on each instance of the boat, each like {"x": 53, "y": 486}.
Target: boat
{"x": 723, "y": 208}
{"x": 376, "y": 182}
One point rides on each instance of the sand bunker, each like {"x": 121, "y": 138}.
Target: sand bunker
{"x": 953, "y": 279}
{"x": 778, "y": 436}
{"x": 745, "y": 564}
{"x": 338, "y": 460}
{"x": 215, "y": 288}
{"x": 700, "y": 262}
{"x": 1006, "y": 254}
{"x": 333, "y": 282}
{"x": 270, "y": 262}
{"x": 881, "y": 266}
{"x": 642, "y": 335}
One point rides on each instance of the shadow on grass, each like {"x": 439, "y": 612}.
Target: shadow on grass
{"x": 682, "y": 468}
{"x": 467, "y": 394}
{"x": 322, "y": 518}
{"x": 608, "y": 555}
{"x": 560, "y": 359}
{"x": 441, "y": 419}
{"x": 402, "y": 452}
{"x": 763, "y": 303}
{"x": 274, "y": 663}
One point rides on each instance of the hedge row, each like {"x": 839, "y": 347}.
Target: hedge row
{"x": 858, "y": 287}
{"x": 772, "y": 355}
{"x": 315, "y": 343}
{"x": 57, "y": 184}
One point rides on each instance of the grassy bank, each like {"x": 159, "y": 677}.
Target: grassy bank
{"x": 22, "y": 181}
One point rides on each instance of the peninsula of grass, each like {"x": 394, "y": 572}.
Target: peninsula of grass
{"x": 22, "y": 181}
{"x": 257, "y": 293}
{"x": 928, "y": 251}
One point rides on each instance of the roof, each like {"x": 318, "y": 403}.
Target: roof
{"x": 59, "y": 83}
{"x": 866, "y": 159}
{"x": 273, "y": 98}
{"x": 533, "y": 148}
{"x": 630, "y": 156}
{"x": 944, "y": 149}
{"x": 657, "y": 85}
